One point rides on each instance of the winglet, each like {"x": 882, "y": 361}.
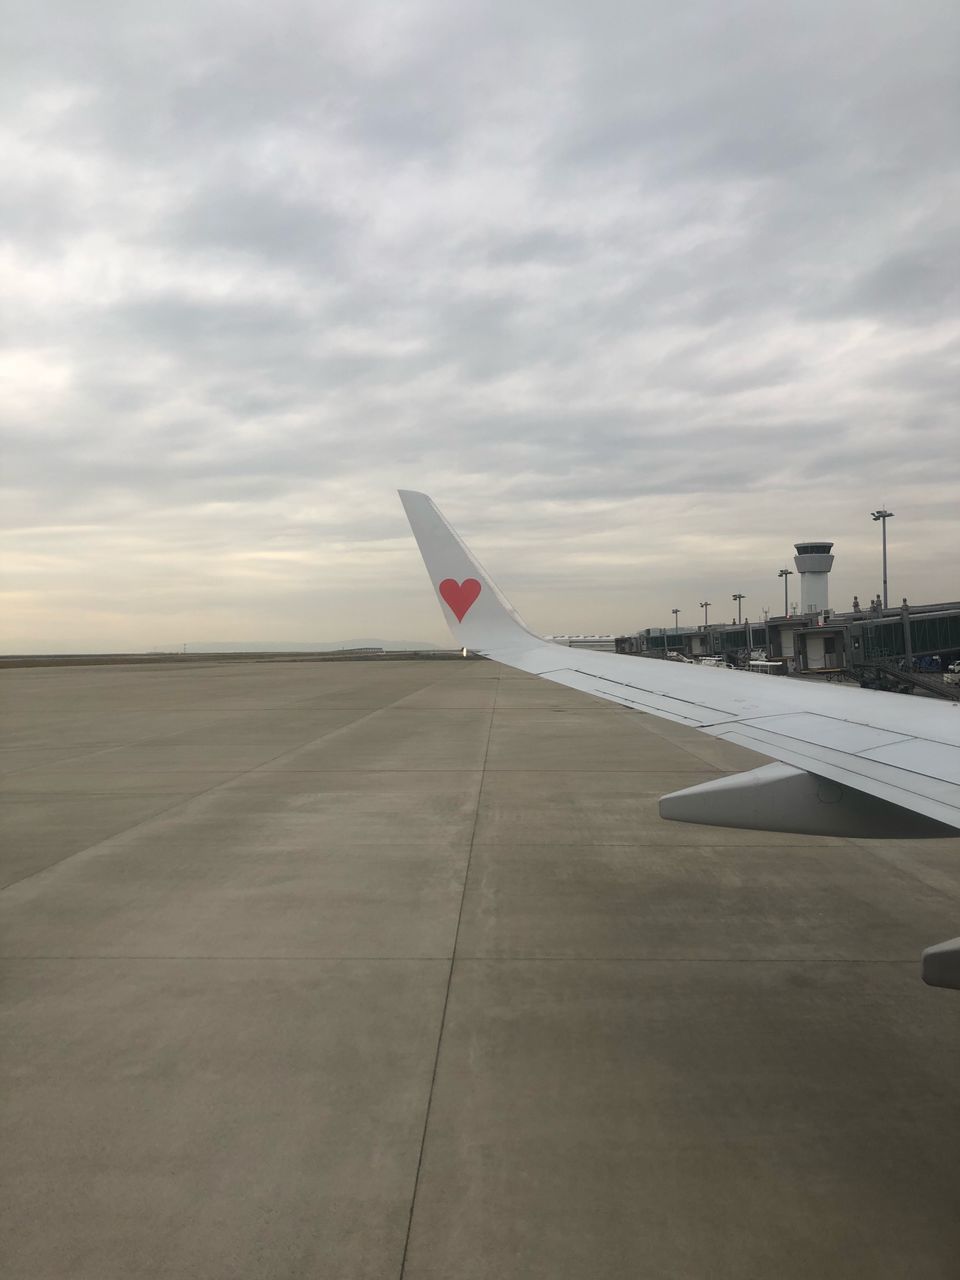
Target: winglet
{"x": 479, "y": 615}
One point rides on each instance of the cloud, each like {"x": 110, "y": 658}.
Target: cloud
{"x": 641, "y": 294}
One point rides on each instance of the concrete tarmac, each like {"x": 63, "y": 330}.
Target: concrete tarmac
{"x": 371, "y": 970}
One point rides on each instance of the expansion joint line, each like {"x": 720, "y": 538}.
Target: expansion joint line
{"x": 446, "y": 994}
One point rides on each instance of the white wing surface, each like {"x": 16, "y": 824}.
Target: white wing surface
{"x": 851, "y": 762}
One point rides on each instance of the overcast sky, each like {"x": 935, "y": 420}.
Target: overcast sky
{"x": 640, "y": 293}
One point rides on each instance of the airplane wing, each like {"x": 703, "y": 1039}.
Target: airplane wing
{"x": 850, "y": 762}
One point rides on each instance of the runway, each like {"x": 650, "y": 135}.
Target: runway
{"x": 391, "y": 969}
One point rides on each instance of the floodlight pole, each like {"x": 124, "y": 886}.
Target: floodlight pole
{"x": 738, "y": 596}
{"x": 676, "y": 622}
{"x": 785, "y": 574}
{"x": 883, "y": 515}
{"x": 704, "y": 605}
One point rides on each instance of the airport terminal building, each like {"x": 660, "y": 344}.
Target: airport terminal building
{"x": 817, "y": 640}
{"x": 816, "y": 643}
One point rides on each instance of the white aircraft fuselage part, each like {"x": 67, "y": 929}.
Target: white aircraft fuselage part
{"x": 851, "y": 762}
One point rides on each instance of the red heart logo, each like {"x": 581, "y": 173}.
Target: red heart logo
{"x": 459, "y": 596}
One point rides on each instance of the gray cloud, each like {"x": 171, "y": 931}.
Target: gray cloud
{"x": 916, "y": 286}
{"x": 260, "y": 221}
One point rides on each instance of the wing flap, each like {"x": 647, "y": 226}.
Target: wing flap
{"x": 930, "y": 759}
{"x": 930, "y": 796}
{"x": 819, "y": 730}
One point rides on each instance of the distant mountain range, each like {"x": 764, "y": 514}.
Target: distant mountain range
{"x": 303, "y": 646}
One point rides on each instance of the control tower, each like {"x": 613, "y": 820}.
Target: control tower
{"x": 814, "y": 562}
